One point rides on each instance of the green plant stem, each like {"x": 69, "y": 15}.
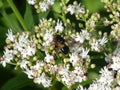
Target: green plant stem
{"x": 18, "y": 15}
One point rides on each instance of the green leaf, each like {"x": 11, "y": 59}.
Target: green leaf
{"x": 87, "y": 82}
{"x": 64, "y": 88}
{"x": 28, "y": 17}
{"x": 43, "y": 15}
{"x": 65, "y": 1}
{"x": 38, "y": 16}
{"x": 32, "y": 18}
{"x": 16, "y": 83}
{"x": 10, "y": 21}
{"x": 1, "y": 4}
{"x": 3, "y": 31}
{"x": 94, "y": 5}
{"x": 56, "y": 7}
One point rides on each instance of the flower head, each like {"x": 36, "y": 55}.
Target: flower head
{"x": 106, "y": 77}
{"x": 73, "y": 9}
{"x": 84, "y": 53}
{"x": 25, "y": 46}
{"x": 95, "y": 45}
{"x": 43, "y": 79}
{"x": 103, "y": 41}
{"x": 43, "y": 6}
{"x": 48, "y": 38}
{"x": 10, "y": 35}
{"x": 59, "y": 26}
{"x": 7, "y": 57}
{"x": 23, "y": 64}
{"x": 49, "y": 58}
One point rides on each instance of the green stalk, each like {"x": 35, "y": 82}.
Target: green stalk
{"x": 18, "y": 15}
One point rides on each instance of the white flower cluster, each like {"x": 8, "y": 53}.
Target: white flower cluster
{"x": 7, "y": 57}
{"x": 109, "y": 75}
{"x": 115, "y": 32}
{"x": 41, "y": 55}
{"x": 45, "y": 5}
{"x": 103, "y": 83}
{"x": 91, "y": 23}
{"x": 42, "y": 5}
{"x": 35, "y": 72}
{"x": 84, "y": 35}
{"x": 21, "y": 45}
{"x": 75, "y": 9}
{"x": 70, "y": 77}
{"x": 77, "y": 57}
{"x": 24, "y": 46}
{"x": 115, "y": 60}
{"x": 97, "y": 44}
{"x": 44, "y": 52}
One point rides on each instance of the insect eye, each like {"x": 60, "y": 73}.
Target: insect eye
{"x": 65, "y": 50}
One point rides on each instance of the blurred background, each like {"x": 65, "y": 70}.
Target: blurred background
{"x": 11, "y": 79}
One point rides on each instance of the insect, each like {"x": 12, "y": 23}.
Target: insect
{"x": 61, "y": 44}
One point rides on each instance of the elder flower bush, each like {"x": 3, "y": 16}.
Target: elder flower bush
{"x": 55, "y": 50}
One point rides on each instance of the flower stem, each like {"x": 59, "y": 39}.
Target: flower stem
{"x": 18, "y": 15}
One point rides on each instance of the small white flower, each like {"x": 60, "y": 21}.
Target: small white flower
{"x": 59, "y": 26}
{"x": 48, "y": 38}
{"x": 48, "y": 58}
{"x": 71, "y": 9}
{"x": 82, "y": 36}
{"x": 64, "y": 71}
{"x": 50, "y": 2}
{"x": 7, "y": 57}
{"x": 103, "y": 41}
{"x": 74, "y": 58}
{"x": 30, "y": 50}
{"x": 79, "y": 71}
{"x": 53, "y": 69}
{"x": 66, "y": 79}
{"x": 29, "y": 72}
{"x": 85, "y": 34}
{"x": 10, "y": 35}
{"x": 116, "y": 63}
{"x": 22, "y": 41}
{"x": 84, "y": 53}
{"x": 79, "y": 9}
{"x": 43, "y": 79}
{"x": 79, "y": 74}
{"x": 95, "y": 45}
{"x": 23, "y": 64}
{"x": 39, "y": 65}
{"x": 106, "y": 76}
{"x": 79, "y": 38}
{"x": 31, "y": 2}
{"x": 44, "y": 6}
{"x": 99, "y": 86}
{"x": 77, "y": 78}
